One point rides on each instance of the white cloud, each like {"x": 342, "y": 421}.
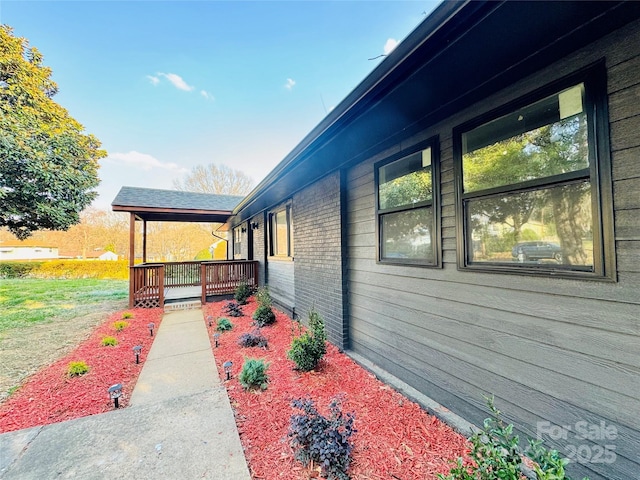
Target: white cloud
{"x": 144, "y": 161}
{"x": 390, "y": 45}
{"x": 290, "y": 83}
{"x": 153, "y": 80}
{"x": 206, "y": 95}
{"x": 177, "y": 81}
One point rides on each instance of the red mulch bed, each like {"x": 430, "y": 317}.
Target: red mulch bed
{"x": 395, "y": 438}
{"x": 52, "y": 396}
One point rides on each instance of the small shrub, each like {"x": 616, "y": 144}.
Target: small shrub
{"x": 223, "y": 325}
{"x": 120, "y": 325}
{"x": 126, "y": 315}
{"x": 109, "y": 342}
{"x": 252, "y": 339}
{"x": 308, "y": 349}
{"x": 263, "y": 316}
{"x": 75, "y": 369}
{"x": 233, "y": 309}
{"x": 242, "y": 293}
{"x": 321, "y": 440}
{"x": 254, "y": 374}
{"x": 495, "y": 453}
{"x": 263, "y": 297}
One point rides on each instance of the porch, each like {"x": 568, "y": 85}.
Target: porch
{"x": 153, "y": 285}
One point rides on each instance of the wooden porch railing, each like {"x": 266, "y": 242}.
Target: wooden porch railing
{"x": 222, "y": 278}
{"x": 147, "y": 282}
{"x": 146, "y": 286}
{"x": 182, "y": 274}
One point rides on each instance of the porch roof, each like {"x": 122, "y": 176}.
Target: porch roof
{"x": 157, "y": 205}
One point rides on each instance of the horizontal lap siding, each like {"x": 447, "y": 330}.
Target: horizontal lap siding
{"x": 318, "y": 255}
{"x": 556, "y": 350}
{"x": 281, "y": 283}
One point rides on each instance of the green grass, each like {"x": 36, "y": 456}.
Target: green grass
{"x": 28, "y": 301}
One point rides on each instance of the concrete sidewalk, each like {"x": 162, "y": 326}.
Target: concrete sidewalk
{"x": 179, "y": 424}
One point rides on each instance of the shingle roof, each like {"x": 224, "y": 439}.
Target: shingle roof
{"x": 174, "y": 199}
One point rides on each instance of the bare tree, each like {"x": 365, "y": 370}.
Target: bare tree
{"x": 212, "y": 178}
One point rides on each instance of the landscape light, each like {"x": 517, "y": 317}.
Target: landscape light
{"x": 216, "y": 337}
{"x": 227, "y": 368}
{"x": 115, "y": 392}
{"x": 210, "y": 320}
{"x": 151, "y": 327}
{"x": 137, "y": 349}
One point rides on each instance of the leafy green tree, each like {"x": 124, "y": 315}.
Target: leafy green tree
{"x": 48, "y": 166}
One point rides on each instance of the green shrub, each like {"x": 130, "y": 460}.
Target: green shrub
{"x": 495, "y": 453}
{"x": 254, "y": 374}
{"x": 263, "y": 297}
{"x": 120, "y": 325}
{"x": 109, "y": 342}
{"x": 223, "y": 325}
{"x": 308, "y": 349}
{"x": 75, "y": 369}
{"x": 263, "y": 316}
{"x": 17, "y": 269}
{"x": 321, "y": 440}
{"x": 252, "y": 339}
{"x": 127, "y": 315}
{"x": 242, "y": 293}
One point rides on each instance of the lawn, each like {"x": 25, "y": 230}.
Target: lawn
{"x": 42, "y": 320}
{"x": 29, "y": 301}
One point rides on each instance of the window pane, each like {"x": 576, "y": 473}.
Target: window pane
{"x": 281, "y": 233}
{"x": 547, "y": 226}
{"x": 407, "y": 235}
{"x": 546, "y": 138}
{"x": 405, "y": 181}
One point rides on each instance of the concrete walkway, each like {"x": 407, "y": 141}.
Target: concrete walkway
{"x": 179, "y": 424}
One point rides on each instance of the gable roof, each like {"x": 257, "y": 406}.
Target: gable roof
{"x": 157, "y": 205}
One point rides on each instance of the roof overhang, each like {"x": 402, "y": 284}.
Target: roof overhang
{"x": 463, "y": 52}
{"x": 151, "y": 214}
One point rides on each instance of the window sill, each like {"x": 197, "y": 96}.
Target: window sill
{"x": 276, "y": 258}
{"x": 533, "y": 271}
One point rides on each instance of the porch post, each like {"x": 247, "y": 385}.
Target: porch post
{"x": 144, "y": 241}
{"x": 132, "y": 239}
{"x": 132, "y": 254}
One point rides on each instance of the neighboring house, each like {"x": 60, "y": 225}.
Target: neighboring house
{"x": 97, "y": 254}
{"x": 24, "y": 252}
{"x": 396, "y": 218}
{"x": 101, "y": 255}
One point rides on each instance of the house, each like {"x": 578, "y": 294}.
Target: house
{"x": 404, "y": 215}
{"x": 97, "y": 254}
{"x": 27, "y": 252}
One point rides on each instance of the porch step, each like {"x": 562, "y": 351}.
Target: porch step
{"x": 186, "y": 305}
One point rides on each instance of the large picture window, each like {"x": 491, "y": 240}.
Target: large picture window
{"x": 406, "y": 207}
{"x": 281, "y": 233}
{"x": 530, "y": 183}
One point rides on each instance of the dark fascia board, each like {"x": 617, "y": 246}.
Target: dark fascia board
{"x": 157, "y": 205}
{"x": 176, "y": 215}
{"x": 422, "y": 33}
{"x": 455, "y": 34}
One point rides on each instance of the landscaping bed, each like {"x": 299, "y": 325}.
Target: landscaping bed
{"x": 394, "y": 438}
{"x": 52, "y": 395}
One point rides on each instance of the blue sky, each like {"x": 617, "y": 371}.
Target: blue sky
{"x": 169, "y": 85}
